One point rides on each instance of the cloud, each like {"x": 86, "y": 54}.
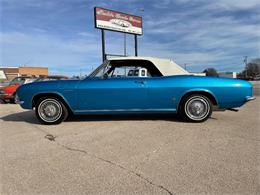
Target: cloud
{"x": 83, "y": 51}
{"x": 46, "y": 50}
{"x": 206, "y": 36}
{"x": 237, "y": 4}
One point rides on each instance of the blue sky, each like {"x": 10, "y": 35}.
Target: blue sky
{"x": 60, "y": 34}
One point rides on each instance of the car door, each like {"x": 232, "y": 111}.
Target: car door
{"x": 162, "y": 94}
{"x": 111, "y": 94}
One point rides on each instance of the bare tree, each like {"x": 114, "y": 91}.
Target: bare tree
{"x": 252, "y": 69}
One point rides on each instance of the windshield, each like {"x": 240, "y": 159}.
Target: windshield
{"x": 17, "y": 81}
{"x": 101, "y": 70}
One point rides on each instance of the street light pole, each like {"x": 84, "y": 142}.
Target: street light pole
{"x": 245, "y": 61}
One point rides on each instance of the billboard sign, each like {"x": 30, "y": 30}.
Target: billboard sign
{"x": 117, "y": 21}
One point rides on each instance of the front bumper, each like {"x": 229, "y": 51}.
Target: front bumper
{"x": 17, "y": 100}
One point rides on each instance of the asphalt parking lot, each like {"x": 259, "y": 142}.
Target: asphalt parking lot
{"x": 130, "y": 154}
{"x": 256, "y": 87}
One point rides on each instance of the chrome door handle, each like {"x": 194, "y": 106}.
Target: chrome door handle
{"x": 140, "y": 82}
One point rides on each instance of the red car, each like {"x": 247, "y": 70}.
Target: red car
{"x": 7, "y": 93}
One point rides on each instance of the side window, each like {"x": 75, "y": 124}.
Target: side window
{"x": 122, "y": 71}
{"x": 133, "y": 68}
{"x": 130, "y": 73}
{"x": 143, "y": 73}
{"x": 136, "y": 73}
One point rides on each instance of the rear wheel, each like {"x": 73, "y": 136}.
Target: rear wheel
{"x": 195, "y": 108}
{"x": 50, "y": 110}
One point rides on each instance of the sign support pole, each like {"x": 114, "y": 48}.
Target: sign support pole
{"x": 136, "y": 52}
{"x": 103, "y": 45}
{"x": 106, "y": 19}
{"x": 124, "y": 44}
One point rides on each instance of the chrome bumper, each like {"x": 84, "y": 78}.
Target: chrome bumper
{"x": 17, "y": 100}
{"x": 3, "y": 95}
{"x": 249, "y": 98}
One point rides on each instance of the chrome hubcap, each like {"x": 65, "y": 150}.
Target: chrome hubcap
{"x": 197, "y": 108}
{"x": 50, "y": 110}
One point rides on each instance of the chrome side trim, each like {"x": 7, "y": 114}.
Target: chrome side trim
{"x": 128, "y": 110}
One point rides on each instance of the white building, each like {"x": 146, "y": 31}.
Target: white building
{"x": 228, "y": 74}
{"x": 198, "y": 73}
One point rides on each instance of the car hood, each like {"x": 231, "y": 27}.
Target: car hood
{"x": 43, "y": 85}
{"x": 213, "y": 81}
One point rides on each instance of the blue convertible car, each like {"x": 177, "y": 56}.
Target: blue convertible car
{"x": 134, "y": 85}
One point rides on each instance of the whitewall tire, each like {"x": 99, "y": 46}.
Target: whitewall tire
{"x": 195, "y": 108}
{"x": 50, "y": 110}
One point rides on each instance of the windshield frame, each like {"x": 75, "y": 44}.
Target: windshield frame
{"x": 98, "y": 69}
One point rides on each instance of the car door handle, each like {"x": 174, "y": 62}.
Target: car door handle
{"x": 140, "y": 82}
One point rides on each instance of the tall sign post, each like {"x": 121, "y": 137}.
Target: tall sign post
{"x": 106, "y": 19}
{"x": 103, "y": 45}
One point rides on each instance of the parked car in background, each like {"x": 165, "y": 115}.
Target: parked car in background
{"x": 257, "y": 78}
{"x": 3, "y": 84}
{"x": 51, "y": 78}
{"x": 7, "y": 93}
{"x": 166, "y": 88}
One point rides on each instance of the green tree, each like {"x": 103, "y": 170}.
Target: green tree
{"x": 252, "y": 69}
{"x": 211, "y": 72}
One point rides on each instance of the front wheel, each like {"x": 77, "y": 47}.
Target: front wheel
{"x": 50, "y": 110}
{"x": 195, "y": 108}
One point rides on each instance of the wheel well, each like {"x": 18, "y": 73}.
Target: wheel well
{"x": 207, "y": 94}
{"x": 38, "y": 96}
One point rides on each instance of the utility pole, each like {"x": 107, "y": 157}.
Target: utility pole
{"x": 185, "y": 66}
{"x": 245, "y": 61}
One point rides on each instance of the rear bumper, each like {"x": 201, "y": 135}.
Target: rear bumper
{"x": 249, "y": 98}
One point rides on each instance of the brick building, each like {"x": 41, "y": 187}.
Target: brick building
{"x": 12, "y": 72}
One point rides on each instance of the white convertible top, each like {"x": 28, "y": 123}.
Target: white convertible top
{"x": 166, "y": 66}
